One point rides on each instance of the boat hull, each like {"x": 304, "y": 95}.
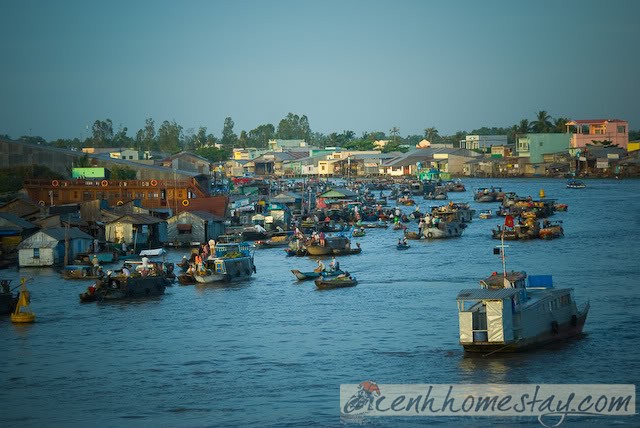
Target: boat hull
{"x": 335, "y": 283}
{"x": 564, "y": 332}
{"x": 449, "y": 231}
{"x": 317, "y": 250}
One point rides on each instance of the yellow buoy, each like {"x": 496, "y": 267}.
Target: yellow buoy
{"x": 23, "y": 313}
{"x": 542, "y": 193}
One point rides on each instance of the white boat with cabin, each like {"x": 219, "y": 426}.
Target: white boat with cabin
{"x": 506, "y": 315}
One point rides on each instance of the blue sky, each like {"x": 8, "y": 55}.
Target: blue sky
{"x": 359, "y": 65}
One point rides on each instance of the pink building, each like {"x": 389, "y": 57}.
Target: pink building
{"x": 587, "y": 131}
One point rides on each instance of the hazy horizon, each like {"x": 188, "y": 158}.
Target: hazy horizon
{"x": 352, "y": 65}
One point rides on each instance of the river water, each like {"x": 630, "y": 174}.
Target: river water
{"x": 272, "y": 351}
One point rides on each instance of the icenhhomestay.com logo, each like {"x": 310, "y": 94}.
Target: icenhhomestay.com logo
{"x": 549, "y": 403}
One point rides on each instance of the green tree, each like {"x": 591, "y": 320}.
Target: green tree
{"x": 260, "y": 136}
{"x": 431, "y": 134}
{"x": 229, "y": 138}
{"x": 120, "y": 139}
{"x": 560, "y": 125}
{"x": 294, "y": 127}
{"x": 214, "y": 154}
{"x": 242, "y": 140}
{"x": 122, "y": 173}
{"x": 542, "y": 123}
{"x": 361, "y": 144}
{"x": 102, "y": 133}
{"x": 169, "y": 135}
{"x": 395, "y": 131}
{"x": 523, "y": 127}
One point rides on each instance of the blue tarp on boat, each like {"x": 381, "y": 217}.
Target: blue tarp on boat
{"x": 545, "y": 281}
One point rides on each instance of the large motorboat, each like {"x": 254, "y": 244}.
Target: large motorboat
{"x": 231, "y": 262}
{"x": 506, "y": 315}
{"x": 121, "y": 286}
{"x": 485, "y": 194}
{"x": 332, "y": 243}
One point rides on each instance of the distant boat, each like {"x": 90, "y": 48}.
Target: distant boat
{"x": 575, "y": 184}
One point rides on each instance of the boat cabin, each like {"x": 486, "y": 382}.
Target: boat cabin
{"x": 504, "y": 311}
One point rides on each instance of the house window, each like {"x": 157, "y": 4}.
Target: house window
{"x": 36, "y": 253}
{"x": 540, "y": 143}
{"x": 621, "y": 129}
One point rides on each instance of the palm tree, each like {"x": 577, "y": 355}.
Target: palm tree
{"x": 394, "y": 132}
{"x": 560, "y": 124}
{"x": 523, "y": 127}
{"x": 542, "y": 122}
{"x": 431, "y": 134}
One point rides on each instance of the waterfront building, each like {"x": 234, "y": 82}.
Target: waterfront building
{"x": 174, "y": 194}
{"x": 186, "y": 161}
{"x": 137, "y": 230}
{"x": 47, "y": 247}
{"x": 589, "y": 132}
{"x": 535, "y": 146}
{"x": 189, "y": 227}
{"x": 483, "y": 142}
{"x": 285, "y": 145}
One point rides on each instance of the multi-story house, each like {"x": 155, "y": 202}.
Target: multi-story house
{"x": 596, "y": 131}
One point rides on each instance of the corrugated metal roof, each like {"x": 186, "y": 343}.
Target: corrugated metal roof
{"x": 17, "y": 221}
{"x": 486, "y": 294}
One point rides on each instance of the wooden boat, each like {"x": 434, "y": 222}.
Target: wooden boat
{"x": 303, "y": 276}
{"x": 292, "y": 252}
{"x": 486, "y": 214}
{"x": 525, "y": 231}
{"x": 7, "y": 300}
{"x": 208, "y": 276}
{"x": 378, "y": 225}
{"x": 398, "y": 226}
{"x": 485, "y": 194}
{"x": 331, "y": 243}
{"x": 560, "y": 207}
{"x": 506, "y": 315}
{"x": 402, "y": 246}
{"x": 551, "y": 230}
{"x": 358, "y": 233}
{"x": 337, "y": 282}
{"x": 79, "y": 272}
{"x": 347, "y": 251}
{"x": 275, "y": 241}
{"x": 124, "y": 287}
{"x": 412, "y": 235}
{"x": 231, "y": 262}
{"x": 186, "y": 279}
{"x": 183, "y": 265}
{"x": 406, "y": 202}
{"x": 444, "y": 230}
{"x": 22, "y": 312}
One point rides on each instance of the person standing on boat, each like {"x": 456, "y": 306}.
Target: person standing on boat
{"x": 321, "y": 238}
{"x": 420, "y": 226}
{"x": 96, "y": 264}
{"x": 212, "y": 245}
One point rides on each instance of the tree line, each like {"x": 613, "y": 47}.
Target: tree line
{"x": 170, "y": 137}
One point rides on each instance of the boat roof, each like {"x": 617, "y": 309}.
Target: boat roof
{"x": 487, "y": 294}
{"x": 76, "y": 267}
{"x": 153, "y": 252}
